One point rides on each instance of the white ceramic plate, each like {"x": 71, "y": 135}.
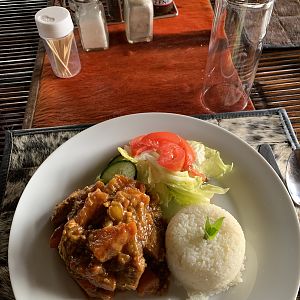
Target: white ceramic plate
{"x": 257, "y": 198}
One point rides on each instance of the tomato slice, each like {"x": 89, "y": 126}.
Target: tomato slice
{"x": 163, "y": 136}
{"x": 137, "y": 146}
{"x": 190, "y": 154}
{"x": 151, "y": 142}
{"x": 175, "y": 152}
{"x": 171, "y": 156}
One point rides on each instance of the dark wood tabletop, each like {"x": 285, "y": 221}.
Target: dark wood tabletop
{"x": 164, "y": 75}
{"x": 173, "y": 63}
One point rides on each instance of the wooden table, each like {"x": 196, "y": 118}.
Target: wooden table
{"x": 164, "y": 75}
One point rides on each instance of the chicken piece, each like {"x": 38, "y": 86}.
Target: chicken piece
{"x": 136, "y": 204}
{"x": 108, "y": 235}
{"x": 79, "y": 260}
{"x": 128, "y": 278}
{"x": 83, "y": 268}
{"x": 156, "y": 240}
{"x": 93, "y": 291}
{"x": 72, "y": 240}
{"x": 108, "y": 242}
{"x": 92, "y": 207}
{"x": 119, "y": 182}
{"x": 72, "y": 204}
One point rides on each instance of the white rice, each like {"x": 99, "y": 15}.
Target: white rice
{"x": 205, "y": 267}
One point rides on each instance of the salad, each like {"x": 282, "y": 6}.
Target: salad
{"x": 176, "y": 170}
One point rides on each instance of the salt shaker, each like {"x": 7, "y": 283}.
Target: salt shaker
{"x": 138, "y": 16}
{"x": 55, "y": 27}
{"x": 91, "y": 21}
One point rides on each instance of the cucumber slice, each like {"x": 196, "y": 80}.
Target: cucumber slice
{"x": 117, "y": 158}
{"x": 125, "y": 168}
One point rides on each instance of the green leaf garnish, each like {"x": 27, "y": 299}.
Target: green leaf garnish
{"x": 211, "y": 230}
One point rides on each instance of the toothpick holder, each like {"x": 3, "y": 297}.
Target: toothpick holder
{"x": 55, "y": 27}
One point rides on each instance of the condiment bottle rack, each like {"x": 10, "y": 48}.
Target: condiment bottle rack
{"x": 114, "y": 10}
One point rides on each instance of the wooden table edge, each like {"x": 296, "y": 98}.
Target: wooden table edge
{"x": 34, "y": 87}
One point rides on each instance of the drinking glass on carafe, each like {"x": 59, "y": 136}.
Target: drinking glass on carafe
{"x": 235, "y": 47}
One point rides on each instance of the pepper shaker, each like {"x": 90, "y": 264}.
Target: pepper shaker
{"x": 55, "y": 27}
{"x": 139, "y": 20}
{"x": 91, "y": 21}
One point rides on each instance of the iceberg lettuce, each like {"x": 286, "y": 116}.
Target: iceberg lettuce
{"x": 176, "y": 189}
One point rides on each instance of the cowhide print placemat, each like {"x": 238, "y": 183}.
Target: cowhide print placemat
{"x": 25, "y": 150}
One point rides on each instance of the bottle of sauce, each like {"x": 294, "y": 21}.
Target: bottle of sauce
{"x": 162, "y": 7}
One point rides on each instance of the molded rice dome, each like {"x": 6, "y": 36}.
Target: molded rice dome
{"x": 204, "y": 266}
